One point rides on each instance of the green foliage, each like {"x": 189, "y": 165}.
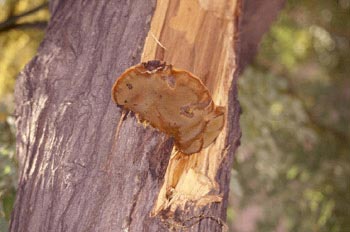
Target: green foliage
{"x": 294, "y": 163}
{"x": 8, "y": 169}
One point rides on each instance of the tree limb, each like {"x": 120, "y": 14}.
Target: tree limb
{"x": 10, "y": 23}
{"x": 37, "y": 24}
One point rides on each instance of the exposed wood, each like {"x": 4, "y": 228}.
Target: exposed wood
{"x": 88, "y": 166}
{"x": 197, "y": 36}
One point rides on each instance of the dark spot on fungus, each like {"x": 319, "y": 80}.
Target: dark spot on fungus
{"x": 129, "y": 85}
{"x": 125, "y": 101}
{"x": 200, "y": 105}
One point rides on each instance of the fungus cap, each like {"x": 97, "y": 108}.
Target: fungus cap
{"x": 174, "y": 101}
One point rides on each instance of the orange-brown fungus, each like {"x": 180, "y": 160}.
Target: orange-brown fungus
{"x": 174, "y": 101}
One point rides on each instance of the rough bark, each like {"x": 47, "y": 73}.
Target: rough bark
{"x": 85, "y": 164}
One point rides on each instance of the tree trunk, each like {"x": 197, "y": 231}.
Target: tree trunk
{"x": 87, "y": 165}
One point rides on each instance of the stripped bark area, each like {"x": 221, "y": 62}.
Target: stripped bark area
{"x": 204, "y": 37}
{"x": 199, "y": 37}
{"x": 87, "y": 165}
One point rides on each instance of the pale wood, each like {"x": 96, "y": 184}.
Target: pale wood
{"x": 197, "y": 36}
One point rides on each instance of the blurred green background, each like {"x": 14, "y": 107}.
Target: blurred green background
{"x": 292, "y": 171}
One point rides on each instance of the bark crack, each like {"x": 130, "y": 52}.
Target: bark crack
{"x": 140, "y": 181}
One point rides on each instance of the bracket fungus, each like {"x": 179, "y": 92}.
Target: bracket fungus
{"x": 173, "y": 101}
